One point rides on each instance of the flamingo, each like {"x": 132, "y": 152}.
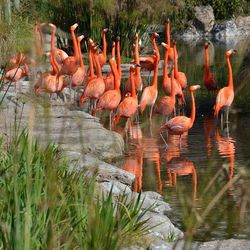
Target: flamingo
{"x": 111, "y": 98}
{"x": 179, "y": 76}
{"x": 60, "y": 55}
{"x": 129, "y": 105}
{"x": 150, "y": 93}
{"x": 181, "y": 124}
{"x": 147, "y": 62}
{"x": 137, "y": 76}
{"x": 166, "y": 81}
{"x": 208, "y": 77}
{"x": 118, "y": 51}
{"x": 109, "y": 79}
{"x": 16, "y": 73}
{"x": 166, "y": 105}
{"x": 91, "y": 72}
{"x": 79, "y": 76}
{"x": 225, "y": 95}
{"x": 171, "y": 50}
{"x": 102, "y": 57}
{"x": 95, "y": 86}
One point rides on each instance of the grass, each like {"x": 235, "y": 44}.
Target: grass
{"x": 44, "y": 206}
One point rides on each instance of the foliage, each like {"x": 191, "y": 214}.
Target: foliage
{"x": 42, "y": 205}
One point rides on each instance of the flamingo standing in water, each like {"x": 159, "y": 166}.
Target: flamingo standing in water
{"x": 166, "y": 105}
{"x": 137, "y": 75}
{"x": 109, "y": 79}
{"x": 128, "y": 107}
{"x": 208, "y": 77}
{"x": 179, "y": 76}
{"x": 150, "y": 93}
{"x": 225, "y": 95}
{"x": 95, "y": 86}
{"x": 147, "y": 62}
{"x": 111, "y": 98}
{"x": 59, "y": 54}
{"x": 102, "y": 57}
{"x": 171, "y": 50}
{"x": 181, "y": 124}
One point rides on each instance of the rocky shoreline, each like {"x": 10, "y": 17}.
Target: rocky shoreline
{"x": 91, "y": 148}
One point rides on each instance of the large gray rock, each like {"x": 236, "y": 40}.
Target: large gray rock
{"x": 103, "y": 171}
{"x": 162, "y": 227}
{"x": 241, "y": 21}
{"x": 204, "y": 18}
{"x": 231, "y": 244}
{"x": 190, "y": 34}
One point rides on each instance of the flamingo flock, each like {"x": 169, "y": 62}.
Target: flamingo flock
{"x": 105, "y": 92}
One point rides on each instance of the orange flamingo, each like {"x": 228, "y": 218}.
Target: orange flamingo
{"x": 208, "y": 77}
{"x": 102, "y": 57}
{"x": 225, "y": 95}
{"x": 60, "y": 55}
{"x": 111, "y": 98}
{"x": 129, "y": 105}
{"x": 166, "y": 105}
{"x": 137, "y": 76}
{"x": 118, "y": 51}
{"x": 91, "y": 72}
{"x": 171, "y": 50}
{"x": 181, "y": 124}
{"x": 79, "y": 76}
{"x": 109, "y": 79}
{"x": 179, "y": 76}
{"x": 150, "y": 93}
{"x": 48, "y": 81}
{"x": 147, "y": 62}
{"x": 95, "y": 86}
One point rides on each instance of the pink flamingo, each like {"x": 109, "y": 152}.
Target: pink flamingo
{"x": 171, "y": 50}
{"x": 111, "y": 98}
{"x": 102, "y": 57}
{"x": 60, "y": 55}
{"x": 225, "y": 95}
{"x": 208, "y": 77}
{"x": 179, "y": 76}
{"x": 128, "y": 107}
{"x": 150, "y": 93}
{"x": 181, "y": 124}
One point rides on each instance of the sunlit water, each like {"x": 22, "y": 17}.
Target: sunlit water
{"x": 210, "y": 171}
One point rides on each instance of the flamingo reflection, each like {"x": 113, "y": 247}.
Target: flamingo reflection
{"x": 226, "y": 149}
{"x": 181, "y": 167}
{"x": 209, "y": 127}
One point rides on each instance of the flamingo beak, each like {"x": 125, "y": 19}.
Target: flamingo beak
{"x": 74, "y": 26}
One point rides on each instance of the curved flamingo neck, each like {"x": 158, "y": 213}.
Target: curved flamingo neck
{"x": 42, "y": 40}
{"x": 119, "y": 60}
{"x": 80, "y": 55}
{"x": 172, "y": 94}
{"x": 168, "y": 33}
{"x": 230, "y": 73}
{"x": 116, "y": 75}
{"x": 98, "y": 66}
{"x": 36, "y": 38}
{"x": 192, "y": 117}
{"x": 154, "y": 44}
{"x": 175, "y": 61}
{"x": 52, "y": 62}
{"x": 91, "y": 65}
{"x": 206, "y": 59}
{"x": 76, "y": 54}
{"x": 104, "y": 43}
{"x": 137, "y": 60}
{"x": 132, "y": 82}
{"x": 165, "y": 67}
{"x": 113, "y": 50}
{"x": 155, "y": 79}
{"x": 52, "y": 41}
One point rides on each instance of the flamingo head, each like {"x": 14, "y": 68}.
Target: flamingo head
{"x": 166, "y": 46}
{"x": 51, "y": 25}
{"x": 194, "y": 87}
{"x": 79, "y": 38}
{"x": 206, "y": 45}
{"x": 230, "y": 52}
{"x": 118, "y": 38}
{"x": 105, "y": 30}
{"x": 73, "y": 27}
{"x": 155, "y": 35}
{"x": 136, "y": 35}
{"x": 168, "y": 21}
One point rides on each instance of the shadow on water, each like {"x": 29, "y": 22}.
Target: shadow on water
{"x": 209, "y": 158}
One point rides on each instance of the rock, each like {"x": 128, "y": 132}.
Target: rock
{"x": 190, "y": 34}
{"x": 164, "y": 229}
{"x": 231, "y": 244}
{"x": 104, "y": 172}
{"x": 158, "y": 244}
{"x": 117, "y": 187}
{"x": 241, "y": 21}
{"x": 204, "y": 18}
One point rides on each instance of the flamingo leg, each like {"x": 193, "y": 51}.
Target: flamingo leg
{"x": 221, "y": 120}
{"x": 227, "y": 114}
{"x": 163, "y": 140}
{"x": 151, "y": 112}
{"x": 110, "y": 119}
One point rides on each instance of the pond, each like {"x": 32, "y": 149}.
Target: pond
{"x": 206, "y": 180}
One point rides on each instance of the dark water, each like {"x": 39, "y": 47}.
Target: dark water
{"x": 207, "y": 179}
